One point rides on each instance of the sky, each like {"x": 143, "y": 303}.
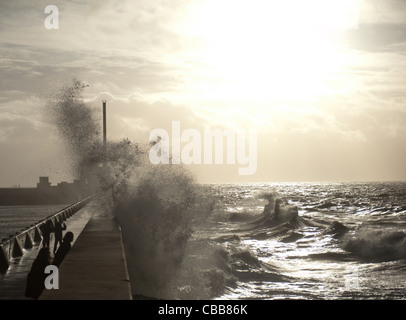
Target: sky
{"x": 323, "y": 83}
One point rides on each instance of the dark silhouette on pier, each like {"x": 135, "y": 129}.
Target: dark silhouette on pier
{"x": 59, "y": 227}
{"x": 46, "y": 230}
{"x": 36, "y": 277}
{"x": 63, "y": 249}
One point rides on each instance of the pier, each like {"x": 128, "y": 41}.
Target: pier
{"x": 95, "y": 268}
{"x": 14, "y": 246}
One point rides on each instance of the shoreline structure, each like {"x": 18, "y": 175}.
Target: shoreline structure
{"x": 94, "y": 268}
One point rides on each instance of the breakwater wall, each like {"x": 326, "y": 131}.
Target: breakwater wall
{"x": 14, "y": 246}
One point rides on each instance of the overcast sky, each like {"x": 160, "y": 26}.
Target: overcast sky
{"x": 322, "y": 82}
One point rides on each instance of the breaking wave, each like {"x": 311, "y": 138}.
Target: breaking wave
{"x": 156, "y": 205}
{"x": 376, "y": 245}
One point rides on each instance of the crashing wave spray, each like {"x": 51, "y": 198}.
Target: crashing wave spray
{"x": 76, "y": 124}
{"x": 154, "y": 204}
{"x": 376, "y": 245}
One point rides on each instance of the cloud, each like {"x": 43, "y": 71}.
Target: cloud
{"x": 94, "y": 25}
{"x": 141, "y": 57}
{"x": 382, "y": 11}
{"x": 377, "y": 37}
{"x": 29, "y": 146}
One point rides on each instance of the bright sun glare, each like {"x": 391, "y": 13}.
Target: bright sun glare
{"x": 265, "y": 49}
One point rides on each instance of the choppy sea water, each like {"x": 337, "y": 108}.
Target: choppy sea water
{"x": 329, "y": 241}
{"x": 346, "y": 241}
{"x": 15, "y": 218}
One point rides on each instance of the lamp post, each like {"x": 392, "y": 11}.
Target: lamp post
{"x": 104, "y": 125}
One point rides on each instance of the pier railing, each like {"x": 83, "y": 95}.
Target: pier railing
{"x": 14, "y": 246}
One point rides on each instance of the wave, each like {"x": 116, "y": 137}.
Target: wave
{"x": 336, "y": 229}
{"x": 376, "y": 245}
{"x": 156, "y": 220}
{"x": 276, "y": 219}
{"x": 210, "y": 270}
{"x": 157, "y": 206}
{"x": 243, "y": 216}
{"x": 332, "y": 256}
{"x": 205, "y": 272}
{"x": 275, "y": 213}
{"x": 248, "y": 267}
{"x": 292, "y": 237}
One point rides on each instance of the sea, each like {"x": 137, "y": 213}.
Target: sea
{"x": 309, "y": 257}
{"x": 278, "y": 241}
{"x": 15, "y": 218}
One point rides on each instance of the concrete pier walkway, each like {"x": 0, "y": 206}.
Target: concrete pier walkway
{"x": 95, "y": 268}
{"x": 13, "y": 282}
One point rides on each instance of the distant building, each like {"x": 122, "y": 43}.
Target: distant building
{"x": 45, "y": 193}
